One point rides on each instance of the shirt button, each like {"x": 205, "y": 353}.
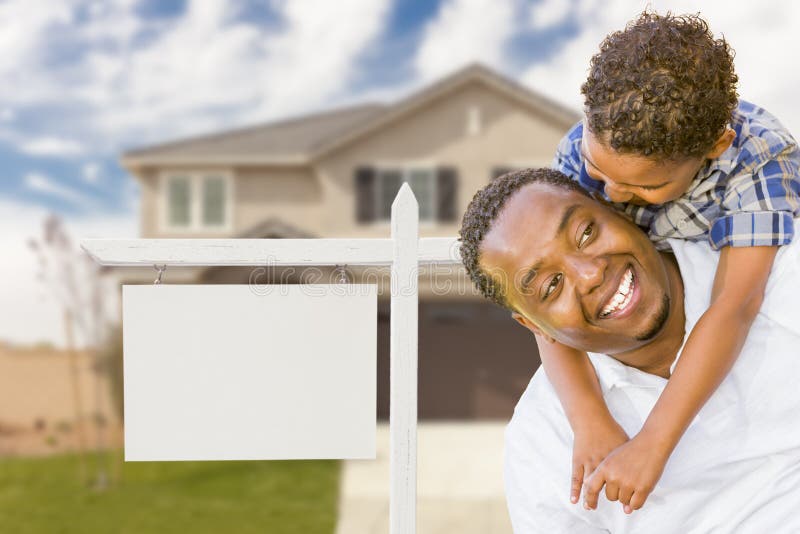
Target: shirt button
{"x": 682, "y": 225}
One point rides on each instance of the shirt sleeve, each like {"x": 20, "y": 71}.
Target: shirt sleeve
{"x": 569, "y": 161}
{"x": 759, "y": 207}
{"x": 567, "y": 158}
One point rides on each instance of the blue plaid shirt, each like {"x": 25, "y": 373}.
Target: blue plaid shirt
{"x": 747, "y": 197}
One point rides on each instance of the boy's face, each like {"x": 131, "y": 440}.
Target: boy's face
{"x": 637, "y": 179}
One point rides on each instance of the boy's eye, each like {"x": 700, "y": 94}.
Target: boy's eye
{"x": 586, "y": 234}
{"x": 552, "y": 285}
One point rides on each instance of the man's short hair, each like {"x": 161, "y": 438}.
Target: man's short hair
{"x": 662, "y": 88}
{"x": 482, "y": 211}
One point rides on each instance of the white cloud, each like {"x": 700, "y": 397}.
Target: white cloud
{"x": 7, "y": 115}
{"x": 46, "y": 185}
{"x": 33, "y": 313}
{"x": 24, "y": 31}
{"x": 562, "y": 74}
{"x": 464, "y": 31}
{"x": 91, "y": 173}
{"x": 51, "y": 147}
{"x": 327, "y": 39}
{"x": 201, "y": 70}
{"x": 761, "y": 37}
{"x": 548, "y": 13}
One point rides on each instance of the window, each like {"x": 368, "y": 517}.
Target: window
{"x": 179, "y": 201}
{"x": 436, "y": 189}
{"x": 197, "y": 202}
{"x": 422, "y": 182}
{"x": 424, "y": 187}
{"x": 213, "y": 201}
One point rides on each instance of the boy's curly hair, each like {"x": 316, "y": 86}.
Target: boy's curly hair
{"x": 663, "y": 88}
{"x": 483, "y": 210}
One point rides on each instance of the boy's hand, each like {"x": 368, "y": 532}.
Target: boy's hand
{"x": 629, "y": 474}
{"x": 592, "y": 444}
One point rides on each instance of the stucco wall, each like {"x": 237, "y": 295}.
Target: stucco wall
{"x": 320, "y": 199}
{"x": 510, "y": 134}
{"x": 292, "y": 195}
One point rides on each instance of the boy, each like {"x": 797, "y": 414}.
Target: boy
{"x": 665, "y": 140}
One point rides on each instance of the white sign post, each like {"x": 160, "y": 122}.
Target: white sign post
{"x": 404, "y": 252}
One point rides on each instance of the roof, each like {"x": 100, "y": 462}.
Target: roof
{"x": 288, "y": 141}
{"x": 300, "y": 140}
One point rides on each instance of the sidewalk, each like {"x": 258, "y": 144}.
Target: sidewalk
{"x": 459, "y": 482}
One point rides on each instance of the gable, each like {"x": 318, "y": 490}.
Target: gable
{"x": 524, "y": 101}
{"x": 471, "y": 121}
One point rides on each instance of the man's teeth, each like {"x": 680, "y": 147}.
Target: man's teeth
{"x": 622, "y": 297}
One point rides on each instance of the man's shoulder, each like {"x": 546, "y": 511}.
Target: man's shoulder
{"x": 535, "y": 393}
{"x": 538, "y": 418}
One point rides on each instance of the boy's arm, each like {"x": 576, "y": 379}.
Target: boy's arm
{"x": 575, "y": 382}
{"x": 631, "y": 471}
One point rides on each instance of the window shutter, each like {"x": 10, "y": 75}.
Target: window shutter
{"x": 388, "y": 181}
{"x": 365, "y": 194}
{"x": 446, "y": 193}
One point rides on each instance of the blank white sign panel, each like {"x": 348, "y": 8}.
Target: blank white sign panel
{"x": 238, "y": 372}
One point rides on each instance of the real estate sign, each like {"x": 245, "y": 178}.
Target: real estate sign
{"x": 238, "y": 372}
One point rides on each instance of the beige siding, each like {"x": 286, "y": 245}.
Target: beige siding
{"x": 437, "y": 135}
{"x": 148, "y": 204}
{"x": 292, "y": 195}
{"x": 320, "y": 200}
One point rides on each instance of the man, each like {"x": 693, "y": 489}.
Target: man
{"x": 534, "y": 242}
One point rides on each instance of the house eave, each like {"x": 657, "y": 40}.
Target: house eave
{"x": 133, "y": 162}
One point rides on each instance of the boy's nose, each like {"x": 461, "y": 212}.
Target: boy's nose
{"x": 616, "y": 193}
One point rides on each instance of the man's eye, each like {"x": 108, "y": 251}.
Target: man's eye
{"x": 552, "y": 285}
{"x": 586, "y": 234}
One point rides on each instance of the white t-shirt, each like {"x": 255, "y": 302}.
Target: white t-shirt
{"x": 736, "y": 469}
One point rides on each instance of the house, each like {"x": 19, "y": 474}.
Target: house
{"x": 335, "y": 174}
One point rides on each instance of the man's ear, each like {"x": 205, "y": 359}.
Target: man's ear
{"x": 722, "y": 144}
{"x": 537, "y": 331}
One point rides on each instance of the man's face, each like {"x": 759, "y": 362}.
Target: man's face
{"x": 636, "y": 179}
{"x": 577, "y": 271}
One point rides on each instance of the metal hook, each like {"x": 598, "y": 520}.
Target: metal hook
{"x": 342, "y": 274}
{"x": 160, "y": 270}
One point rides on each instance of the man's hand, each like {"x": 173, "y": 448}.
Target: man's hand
{"x": 592, "y": 444}
{"x": 629, "y": 474}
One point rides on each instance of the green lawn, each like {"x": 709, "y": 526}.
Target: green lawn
{"x": 45, "y": 496}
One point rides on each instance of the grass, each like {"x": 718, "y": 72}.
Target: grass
{"x": 44, "y": 495}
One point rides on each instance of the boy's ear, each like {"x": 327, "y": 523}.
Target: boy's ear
{"x": 722, "y": 144}
{"x": 524, "y": 321}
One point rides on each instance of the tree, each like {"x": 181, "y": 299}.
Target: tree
{"x": 79, "y": 286}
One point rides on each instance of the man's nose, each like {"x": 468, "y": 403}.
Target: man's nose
{"x": 615, "y": 193}
{"x": 588, "y": 272}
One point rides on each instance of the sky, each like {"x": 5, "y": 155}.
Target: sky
{"x": 82, "y": 81}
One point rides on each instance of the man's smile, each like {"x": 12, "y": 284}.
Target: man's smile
{"x": 621, "y": 301}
